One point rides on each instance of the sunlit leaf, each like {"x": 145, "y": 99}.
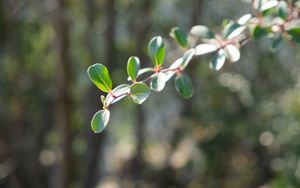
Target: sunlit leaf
{"x": 232, "y": 53}
{"x": 187, "y": 57}
{"x": 133, "y": 67}
{"x": 99, "y": 75}
{"x": 139, "y": 92}
{"x": 232, "y": 30}
{"x": 100, "y": 120}
{"x": 156, "y": 50}
{"x": 175, "y": 65}
{"x": 268, "y": 5}
{"x": 202, "y": 31}
{"x": 218, "y": 60}
{"x": 158, "y": 82}
{"x": 244, "y": 19}
{"x": 205, "y": 49}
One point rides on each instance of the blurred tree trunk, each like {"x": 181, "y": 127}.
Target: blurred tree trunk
{"x": 96, "y": 145}
{"x": 192, "y": 70}
{"x": 141, "y": 27}
{"x": 91, "y": 172}
{"x": 63, "y": 106}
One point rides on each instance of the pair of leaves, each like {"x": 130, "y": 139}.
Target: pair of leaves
{"x": 231, "y": 52}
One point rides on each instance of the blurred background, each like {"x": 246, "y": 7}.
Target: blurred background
{"x": 240, "y": 130}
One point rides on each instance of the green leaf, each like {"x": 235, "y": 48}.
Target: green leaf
{"x": 100, "y": 120}
{"x": 180, "y": 36}
{"x": 295, "y": 34}
{"x": 133, "y": 67}
{"x": 184, "y": 86}
{"x": 119, "y": 92}
{"x": 99, "y": 75}
{"x": 158, "y": 82}
{"x": 187, "y": 57}
{"x": 232, "y": 53}
{"x": 156, "y": 51}
{"x": 218, "y": 60}
{"x": 202, "y": 31}
{"x": 232, "y": 30}
{"x": 202, "y": 49}
{"x": 259, "y": 32}
{"x": 139, "y": 92}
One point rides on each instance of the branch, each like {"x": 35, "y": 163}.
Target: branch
{"x": 276, "y": 19}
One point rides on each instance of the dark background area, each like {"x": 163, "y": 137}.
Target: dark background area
{"x": 240, "y": 130}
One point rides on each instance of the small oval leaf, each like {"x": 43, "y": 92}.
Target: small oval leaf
{"x": 158, "y": 82}
{"x": 218, "y": 60}
{"x": 184, "y": 86}
{"x": 99, "y": 75}
{"x": 244, "y": 19}
{"x": 202, "y": 49}
{"x": 232, "y": 30}
{"x": 139, "y": 92}
{"x": 156, "y": 51}
{"x": 133, "y": 67}
{"x": 202, "y": 31}
{"x": 268, "y": 5}
{"x": 180, "y": 36}
{"x": 100, "y": 120}
{"x": 232, "y": 53}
